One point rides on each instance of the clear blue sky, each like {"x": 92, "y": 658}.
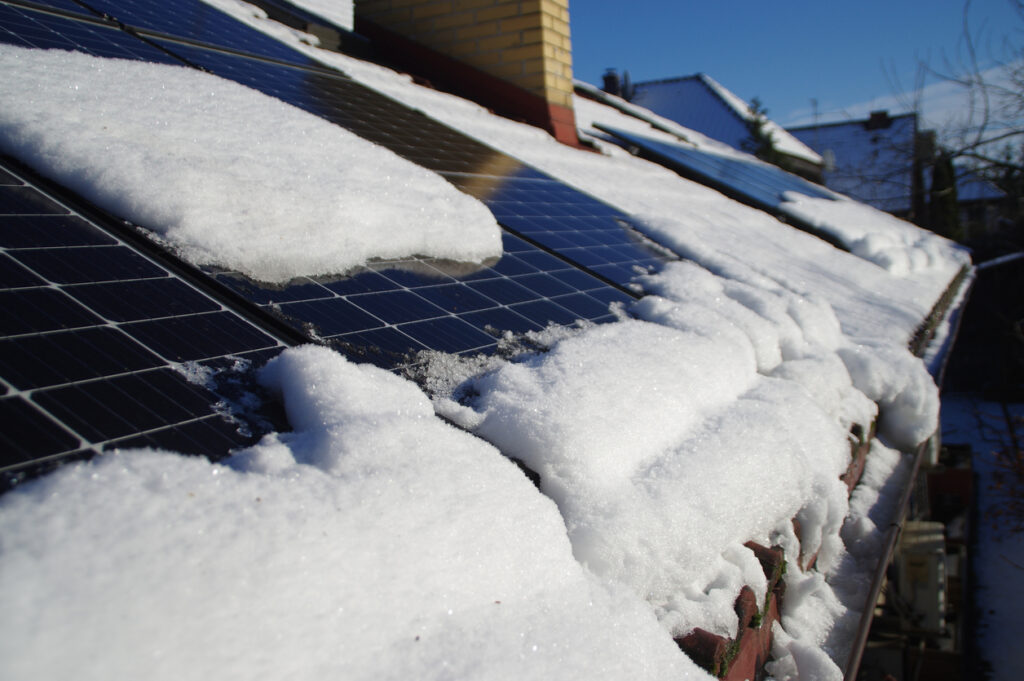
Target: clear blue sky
{"x": 785, "y": 52}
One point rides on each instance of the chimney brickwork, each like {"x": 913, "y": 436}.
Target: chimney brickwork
{"x": 523, "y": 43}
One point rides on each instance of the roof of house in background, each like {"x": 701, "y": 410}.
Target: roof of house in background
{"x": 873, "y": 161}
{"x": 679, "y": 330}
{"x": 703, "y": 104}
{"x": 870, "y": 160}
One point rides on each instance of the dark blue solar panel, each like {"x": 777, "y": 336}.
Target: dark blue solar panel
{"x": 195, "y": 20}
{"x": 128, "y": 301}
{"x": 56, "y": 230}
{"x": 413, "y": 305}
{"x": 28, "y": 434}
{"x": 24, "y": 201}
{"x": 41, "y": 309}
{"x": 759, "y": 182}
{"x": 66, "y": 5}
{"x": 90, "y": 332}
{"x": 27, "y": 28}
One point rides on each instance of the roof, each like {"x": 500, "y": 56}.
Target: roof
{"x": 359, "y": 427}
{"x": 872, "y": 160}
{"x": 703, "y": 104}
{"x": 869, "y": 161}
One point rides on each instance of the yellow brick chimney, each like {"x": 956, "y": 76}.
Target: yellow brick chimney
{"x": 513, "y": 56}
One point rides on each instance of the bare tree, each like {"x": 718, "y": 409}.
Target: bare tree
{"x": 988, "y": 135}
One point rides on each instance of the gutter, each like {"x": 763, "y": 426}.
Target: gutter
{"x": 895, "y": 530}
{"x": 892, "y": 536}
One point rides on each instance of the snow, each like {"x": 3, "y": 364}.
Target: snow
{"x": 646, "y": 437}
{"x": 872, "y": 303}
{"x": 889, "y": 242}
{"x": 338, "y": 12}
{"x": 228, "y": 176}
{"x": 373, "y": 542}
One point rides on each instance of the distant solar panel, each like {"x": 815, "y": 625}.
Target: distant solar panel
{"x": 92, "y": 338}
{"x": 752, "y": 182}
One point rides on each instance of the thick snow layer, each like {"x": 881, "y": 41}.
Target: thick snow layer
{"x": 820, "y": 613}
{"x": 229, "y": 176}
{"x": 373, "y": 542}
{"x": 891, "y": 243}
{"x": 656, "y": 444}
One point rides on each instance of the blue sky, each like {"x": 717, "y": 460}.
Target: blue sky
{"x": 850, "y": 56}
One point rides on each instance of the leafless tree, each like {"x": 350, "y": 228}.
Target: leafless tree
{"x": 988, "y": 135}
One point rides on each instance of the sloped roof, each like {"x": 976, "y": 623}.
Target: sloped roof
{"x": 873, "y": 163}
{"x": 703, "y": 104}
{"x": 651, "y": 351}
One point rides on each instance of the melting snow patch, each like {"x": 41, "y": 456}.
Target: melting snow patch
{"x": 229, "y": 176}
{"x": 373, "y": 542}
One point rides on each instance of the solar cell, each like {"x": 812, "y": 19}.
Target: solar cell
{"x": 22, "y": 26}
{"x": 65, "y": 5}
{"x": 196, "y": 20}
{"x": 29, "y": 435}
{"x": 90, "y": 339}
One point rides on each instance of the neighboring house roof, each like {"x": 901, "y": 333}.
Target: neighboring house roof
{"x": 705, "y": 105}
{"x": 869, "y": 160}
{"x": 873, "y": 161}
{"x": 648, "y": 348}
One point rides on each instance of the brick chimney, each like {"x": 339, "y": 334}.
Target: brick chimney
{"x": 512, "y": 56}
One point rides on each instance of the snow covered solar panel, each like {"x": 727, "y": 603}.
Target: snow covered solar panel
{"x": 390, "y": 309}
{"x": 524, "y": 200}
{"x": 752, "y": 182}
{"x": 91, "y": 339}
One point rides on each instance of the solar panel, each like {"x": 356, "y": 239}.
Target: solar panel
{"x": 387, "y": 309}
{"x": 92, "y": 340}
{"x": 567, "y": 256}
{"x": 65, "y": 5}
{"x": 28, "y": 28}
{"x": 752, "y": 182}
{"x": 196, "y": 20}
